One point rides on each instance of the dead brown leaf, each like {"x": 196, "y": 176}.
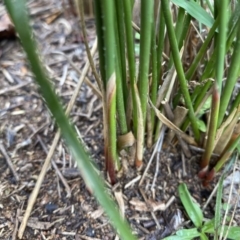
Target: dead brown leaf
{"x": 6, "y": 27}
{"x": 53, "y": 16}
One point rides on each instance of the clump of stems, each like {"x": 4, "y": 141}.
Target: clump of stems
{"x": 136, "y": 82}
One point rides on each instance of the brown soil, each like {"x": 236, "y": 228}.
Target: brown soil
{"x": 65, "y": 209}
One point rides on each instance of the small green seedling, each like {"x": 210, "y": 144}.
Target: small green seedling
{"x": 202, "y": 229}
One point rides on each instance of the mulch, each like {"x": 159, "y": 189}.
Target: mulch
{"x": 65, "y": 208}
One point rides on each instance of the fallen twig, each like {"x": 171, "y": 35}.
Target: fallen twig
{"x": 9, "y": 162}
{"x": 150, "y": 207}
{"x": 13, "y": 88}
{"x": 45, "y": 166}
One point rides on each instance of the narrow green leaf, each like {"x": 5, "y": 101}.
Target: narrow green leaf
{"x": 18, "y": 13}
{"x": 203, "y": 236}
{"x": 208, "y": 226}
{"x": 201, "y": 125}
{"x": 145, "y": 46}
{"x": 238, "y": 148}
{"x": 185, "y": 234}
{"x": 206, "y": 106}
{"x": 196, "y": 11}
{"x": 233, "y": 232}
{"x": 192, "y": 208}
{"x": 218, "y": 207}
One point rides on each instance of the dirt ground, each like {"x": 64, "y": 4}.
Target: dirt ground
{"x": 64, "y": 208}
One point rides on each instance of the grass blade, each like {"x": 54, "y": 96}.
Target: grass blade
{"x": 18, "y": 13}
{"x": 196, "y": 11}
{"x": 185, "y": 234}
{"x": 192, "y": 208}
{"x": 218, "y": 207}
{"x": 145, "y": 46}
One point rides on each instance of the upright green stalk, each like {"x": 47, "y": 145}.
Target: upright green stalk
{"x": 216, "y": 12}
{"x": 197, "y": 96}
{"x": 209, "y": 72}
{"x": 160, "y": 43}
{"x": 120, "y": 69}
{"x": 221, "y": 43}
{"x": 233, "y": 27}
{"x": 231, "y": 79}
{"x": 121, "y": 113}
{"x": 143, "y": 84}
{"x": 185, "y": 27}
{"x": 221, "y": 49}
{"x": 202, "y": 51}
{"x": 154, "y": 87}
{"x": 109, "y": 36}
{"x": 127, "y": 7}
{"x": 110, "y": 58}
{"x": 210, "y": 64}
{"x": 121, "y": 47}
{"x": 145, "y": 46}
{"x": 179, "y": 67}
{"x": 211, "y": 132}
{"x": 100, "y": 34}
{"x": 160, "y": 46}
{"x": 235, "y": 103}
{"x": 178, "y": 31}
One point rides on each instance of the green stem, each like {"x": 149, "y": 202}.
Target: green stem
{"x": 127, "y": 7}
{"x": 227, "y": 154}
{"x": 121, "y": 47}
{"x": 212, "y": 128}
{"x": 160, "y": 44}
{"x": 178, "y": 32}
{"x": 110, "y": 58}
{"x": 160, "y": 47}
{"x": 236, "y": 103}
{"x": 100, "y": 35}
{"x": 179, "y": 67}
{"x": 154, "y": 86}
{"x": 197, "y": 96}
{"x": 145, "y": 46}
{"x": 202, "y": 51}
{"x": 221, "y": 43}
{"x": 232, "y": 34}
{"x": 231, "y": 79}
{"x": 121, "y": 69}
{"x": 221, "y": 46}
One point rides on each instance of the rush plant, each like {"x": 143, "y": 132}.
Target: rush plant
{"x": 189, "y": 57}
{"x": 134, "y": 87}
